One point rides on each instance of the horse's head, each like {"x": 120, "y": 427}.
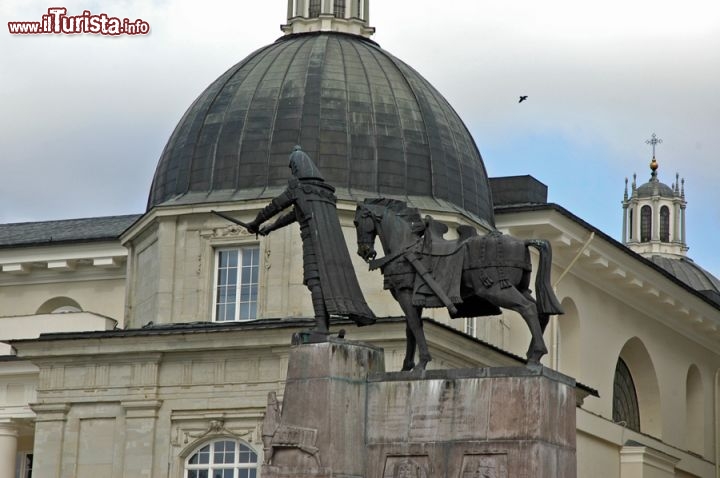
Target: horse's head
{"x": 365, "y": 227}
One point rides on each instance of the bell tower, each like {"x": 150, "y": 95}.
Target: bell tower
{"x": 345, "y": 16}
{"x": 654, "y": 214}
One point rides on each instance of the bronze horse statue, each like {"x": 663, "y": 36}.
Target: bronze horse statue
{"x": 471, "y": 276}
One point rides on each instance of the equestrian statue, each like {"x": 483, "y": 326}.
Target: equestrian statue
{"x": 472, "y": 276}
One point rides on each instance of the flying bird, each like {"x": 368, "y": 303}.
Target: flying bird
{"x": 522, "y": 98}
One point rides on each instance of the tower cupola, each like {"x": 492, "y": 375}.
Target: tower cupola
{"x": 344, "y": 16}
{"x": 654, "y": 214}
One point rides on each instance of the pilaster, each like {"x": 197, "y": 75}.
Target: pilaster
{"x": 639, "y": 461}
{"x": 140, "y": 422}
{"x": 50, "y": 424}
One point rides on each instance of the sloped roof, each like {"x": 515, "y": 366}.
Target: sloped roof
{"x": 64, "y": 231}
{"x": 709, "y": 296}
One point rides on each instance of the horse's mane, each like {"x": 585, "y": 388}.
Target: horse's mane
{"x": 400, "y": 208}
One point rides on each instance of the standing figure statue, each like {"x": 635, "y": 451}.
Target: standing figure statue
{"x": 327, "y": 268}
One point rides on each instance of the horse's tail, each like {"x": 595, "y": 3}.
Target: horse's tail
{"x": 547, "y": 302}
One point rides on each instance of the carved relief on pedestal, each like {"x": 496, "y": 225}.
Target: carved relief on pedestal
{"x": 290, "y": 439}
{"x": 406, "y": 467}
{"x": 484, "y": 466}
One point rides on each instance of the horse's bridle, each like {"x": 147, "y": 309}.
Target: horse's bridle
{"x": 365, "y": 214}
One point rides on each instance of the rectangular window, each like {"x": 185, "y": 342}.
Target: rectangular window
{"x": 314, "y": 10}
{"x": 23, "y": 465}
{"x": 339, "y": 9}
{"x": 236, "y": 283}
{"x": 470, "y": 326}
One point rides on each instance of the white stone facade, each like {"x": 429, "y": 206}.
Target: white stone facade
{"x": 112, "y": 363}
{"x": 139, "y": 402}
{"x": 49, "y": 289}
{"x": 343, "y": 16}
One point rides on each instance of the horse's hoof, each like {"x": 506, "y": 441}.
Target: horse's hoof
{"x": 533, "y": 356}
{"x": 407, "y": 366}
{"x": 420, "y": 367}
{"x": 534, "y": 359}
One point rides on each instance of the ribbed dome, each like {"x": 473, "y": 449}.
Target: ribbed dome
{"x": 692, "y": 274}
{"x": 373, "y": 125}
{"x": 655, "y": 188}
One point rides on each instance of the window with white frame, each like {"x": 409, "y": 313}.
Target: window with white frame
{"x": 236, "y": 283}
{"x": 339, "y": 9}
{"x": 222, "y": 458}
{"x": 23, "y": 465}
{"x": 470, "y": 326}
{"x": 314, "y": 9}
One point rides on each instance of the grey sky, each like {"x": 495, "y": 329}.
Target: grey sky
{"x": 84, "y": 118}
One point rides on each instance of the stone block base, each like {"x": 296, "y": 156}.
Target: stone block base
{"x": 484, "y": 423}
{"x": 343, "y": 417}
{"x": 321, "y": 430}
{"x": 269, "y": 471}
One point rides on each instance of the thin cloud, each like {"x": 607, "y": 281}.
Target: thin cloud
{"x": 85, "y": 117}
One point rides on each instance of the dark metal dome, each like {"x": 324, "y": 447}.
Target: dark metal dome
{"x": 692, "y": 274}
{"x": 372, "y": 124}
{"x": 655, "y": 188}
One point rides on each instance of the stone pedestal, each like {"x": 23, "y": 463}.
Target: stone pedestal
{"x": 473, "y": 423}
{"x": 343, "y": 416}
{"x": 321, "y": 431}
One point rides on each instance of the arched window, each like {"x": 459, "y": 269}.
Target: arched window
{"x": 314, "y": 10}
{"x": 59, "y": 305}
{"x": 645, "y": 224}
{"x": 665, "y": 224}
{"x": 636, "y": 394}
{"x": 222, "y": 458}
{"x": 632, "y": 225}
{"x": 339, "y": 10}
{"x": 625, "y": 403}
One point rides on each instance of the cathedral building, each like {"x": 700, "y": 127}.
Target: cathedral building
{"x": 146, "y": 345}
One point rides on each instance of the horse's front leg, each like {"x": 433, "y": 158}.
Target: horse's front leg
{"x": 409, "y": 360}
{"x": 413, "y": 316}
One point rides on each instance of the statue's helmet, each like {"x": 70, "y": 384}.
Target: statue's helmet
{"x": 302, "y": 166}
